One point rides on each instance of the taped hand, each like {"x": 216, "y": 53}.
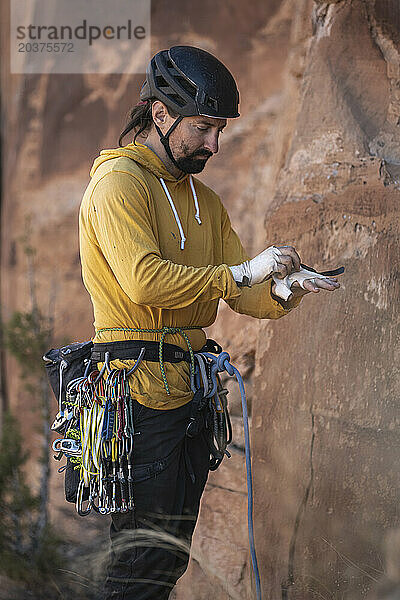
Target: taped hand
{"x": 307, "y": 279}
{"x": 279, "y": 261}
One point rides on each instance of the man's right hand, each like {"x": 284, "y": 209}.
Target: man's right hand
{"x": 288, "y": 261}
{"x": 279, "y": 261}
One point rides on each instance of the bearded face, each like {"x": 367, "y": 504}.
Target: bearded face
{"x": 192, "y": 161}
{"x": 194, "y": 141}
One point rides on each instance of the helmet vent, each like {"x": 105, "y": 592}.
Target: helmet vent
{"x": 192, "y": 82}
{"x": 160, "y": 81}
{"x": 177, "y": 99}
{"x": 171, "y": 69}
{"x": 166, "y": 89}
{"x": 187, "y": 86}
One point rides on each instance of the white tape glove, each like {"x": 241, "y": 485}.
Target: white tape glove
{"x": 258, "y": 269}
{"x": 283, "y": 286}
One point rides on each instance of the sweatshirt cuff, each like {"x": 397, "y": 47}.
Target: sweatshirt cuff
{"x": 227, "y": 284}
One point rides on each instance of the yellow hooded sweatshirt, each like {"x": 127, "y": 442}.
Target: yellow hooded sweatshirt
{"x": 155, "y": 252}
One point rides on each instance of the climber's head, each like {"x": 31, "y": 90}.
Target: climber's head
{"x": 193, "y": 141}
{"x": 188, "y": 95}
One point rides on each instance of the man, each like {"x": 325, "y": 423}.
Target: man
{"x": 158, "y": 252}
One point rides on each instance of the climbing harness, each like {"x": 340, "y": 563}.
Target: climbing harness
{"x": 161, "y": 355}
{"x": 96, "y": 421}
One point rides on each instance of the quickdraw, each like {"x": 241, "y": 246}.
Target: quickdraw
{"x": 97, "y": 422}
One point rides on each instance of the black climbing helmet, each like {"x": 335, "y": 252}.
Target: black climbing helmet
{"x": 191, "y": 82}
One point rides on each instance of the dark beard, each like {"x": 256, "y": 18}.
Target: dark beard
{"x": 190, "y": 164}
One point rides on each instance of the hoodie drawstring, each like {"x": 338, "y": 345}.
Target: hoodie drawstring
{"x": 196, "y": 202}
{"x": 177, "y": 219}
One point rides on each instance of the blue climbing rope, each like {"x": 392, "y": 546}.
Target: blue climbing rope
{"x": 222, "y": 361}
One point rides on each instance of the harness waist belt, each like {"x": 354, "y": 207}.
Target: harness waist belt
{"x": 130, "y": 349}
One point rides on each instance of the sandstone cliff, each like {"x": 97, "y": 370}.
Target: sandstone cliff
{"x": 313, "y": 161}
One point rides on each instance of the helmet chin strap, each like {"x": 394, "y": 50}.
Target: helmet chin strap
{"x": 164, "y": 139}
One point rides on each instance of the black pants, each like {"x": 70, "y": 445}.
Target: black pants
{"x": 150, "y": 545}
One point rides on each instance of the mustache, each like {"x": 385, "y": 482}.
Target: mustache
{"x": 202, "y": 154}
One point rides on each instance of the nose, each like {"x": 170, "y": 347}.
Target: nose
{"x": 211, "y": 141}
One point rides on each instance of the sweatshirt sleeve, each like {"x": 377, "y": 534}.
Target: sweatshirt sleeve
{"x": 122, "y": 223}
{"x": 256, "y": 301}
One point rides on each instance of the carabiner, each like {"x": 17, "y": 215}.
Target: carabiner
{"x": 60, "y": 421}
{"x": 93, "y": 494}
{"x": 137, "y": 363}
{"x": 56, "y": 444}
{"x": 122, "y": 446}
{"x": 129, "y": 446}
{"x": 68, "y": 446}
{"x": 82, "y": 512}
{"x": 104, "y": 368}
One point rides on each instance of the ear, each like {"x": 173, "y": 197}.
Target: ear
{"x": 159, "y": 113}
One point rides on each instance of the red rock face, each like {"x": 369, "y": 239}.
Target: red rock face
{"x": 314, "y": 161}
{"x": 324, "y": 406}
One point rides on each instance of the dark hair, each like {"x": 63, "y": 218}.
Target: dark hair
{"x": 140, "y": 120}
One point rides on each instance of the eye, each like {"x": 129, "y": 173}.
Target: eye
{"x": 202, "y": 128}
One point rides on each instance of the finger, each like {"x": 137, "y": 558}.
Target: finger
{"x": 287, "y": 261}
{"x": 309, "y": 285}
{"x": 290, "y": 251}
{"x": 314, "y": 285}
{"x": 281, "y": 271}
{"x": 327, "y": 284}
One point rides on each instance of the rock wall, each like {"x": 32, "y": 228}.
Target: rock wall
{"x": 313, "y": 161}
{"x": 325, "y": 416}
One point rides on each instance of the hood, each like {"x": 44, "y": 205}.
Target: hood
{"x": 140, "y": 154}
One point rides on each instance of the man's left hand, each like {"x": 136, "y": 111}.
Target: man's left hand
{"x": 311, "y": 285}
{"x": 314, "y": 285}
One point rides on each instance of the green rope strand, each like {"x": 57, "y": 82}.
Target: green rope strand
{"x": 76, "y": 461}
{"x": 75, "y": 434}
{"x": 164, "y": 331}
